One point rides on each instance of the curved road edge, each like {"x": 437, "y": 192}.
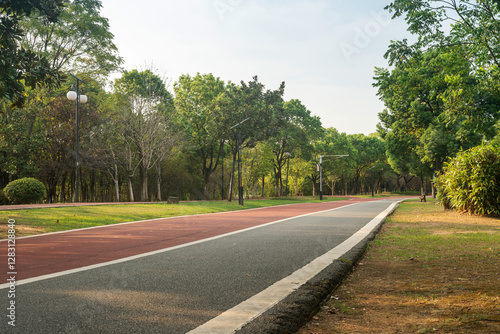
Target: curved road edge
{"x": 291, "y": 313}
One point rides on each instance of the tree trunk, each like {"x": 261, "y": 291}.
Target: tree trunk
{"x": 263, "y": 185}
{"x": 62, "y": 195}
{"x": 158, "y": 181}
{"x": 214, "y": 189}
{"x": 333, "y": 187}
{"x": 277, "y": 188}
{"x": 117, "y": 185}
{"x": 231, "y": 178}
{"x": 130, "y": 188}
{"x": 422, "y": 185}
{"x": 144, "y": 186}
{"x": 439, "y": 165}
{"x": 92, "y": 187}
{"x": 206, "y": 188}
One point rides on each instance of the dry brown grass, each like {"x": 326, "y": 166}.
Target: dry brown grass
{"x": 429, "y": 270}
{"x": 21, "y": 230}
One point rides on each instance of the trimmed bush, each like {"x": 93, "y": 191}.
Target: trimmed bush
{"x": 471, "y": 181}
{"x": 25, "y": 191}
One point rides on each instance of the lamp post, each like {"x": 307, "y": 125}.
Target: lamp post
{"x": 222, "y": 186}
{"x": 238, "y": 143}
{"x": 321, "y": 171}
{"x": 288, "y": 155}
{"x": 80, "y": 98}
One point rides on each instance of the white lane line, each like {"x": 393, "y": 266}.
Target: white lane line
{"x": 135, "y": 257}
{"x": 151, "y": 220}
{"x": 234, "y": 319}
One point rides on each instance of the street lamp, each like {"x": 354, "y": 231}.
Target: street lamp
{"x": 238, "y": 143}
{"x": 79, "y": 98}
{"x": 321, "y": 171}
{"x": 222, "y": 186}
{"x": 288, "y": 155}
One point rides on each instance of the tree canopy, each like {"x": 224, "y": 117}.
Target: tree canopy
{"x": 80, "y": 42}
{"x": 21, "y": 67}
{"x": 441, "y": 94}
{"x": 147, "y": 140}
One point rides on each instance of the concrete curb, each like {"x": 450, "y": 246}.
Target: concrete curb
{"x": 289, "y": 315}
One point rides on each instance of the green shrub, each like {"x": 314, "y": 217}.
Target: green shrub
{"x": 25, "y": 191}
{"x": 471, "y": 181}
{"x": 3, "y": 199}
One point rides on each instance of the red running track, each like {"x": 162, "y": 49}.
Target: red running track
{"x": 56, "y": 252}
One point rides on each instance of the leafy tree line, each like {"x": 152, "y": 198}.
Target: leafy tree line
{"x": 441, "y": 93}
{"x": 145, "y": 140}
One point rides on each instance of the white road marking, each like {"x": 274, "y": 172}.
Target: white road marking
{"x": 135, "y": 257}
{"x": 234, "y": 319}
{"x": 145, "y": 221}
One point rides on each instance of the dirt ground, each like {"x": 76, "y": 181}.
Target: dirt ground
{"x": 428, "y": 270}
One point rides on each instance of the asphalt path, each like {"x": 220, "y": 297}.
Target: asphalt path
{"x": 169, "y": 275}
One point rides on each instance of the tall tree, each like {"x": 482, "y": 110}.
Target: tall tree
{"x": 56, "y": 120}
{"x": 475, "y": 26}
{"x": 436, "y": 103}
{"x": 335, "y": 143}
{"x": 260, "y": 164}
{"x": 21, "y": 142}
{"x": 147, "y": 118}
{"x": 257, "y": 107}
{"x": 368, "y": 150}
{"x": 80, "y": 42}
{"x": 20, "y": 67}
{"x": 295, "y": 129}
{"x": 198, "y": 103}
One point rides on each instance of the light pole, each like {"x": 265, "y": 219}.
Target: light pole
{"x": 222, "y": 187}
{"x": 238, "y": 143}
{"x": 288, "y": 155}
{"x": 80, "y": 98}
{"x": 321, "y": 171}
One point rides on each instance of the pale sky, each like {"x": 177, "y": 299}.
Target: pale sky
{"x": 324, "y": 50}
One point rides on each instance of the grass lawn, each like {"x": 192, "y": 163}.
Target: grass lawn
{"x": 428, "y": 271}
{"x": 36, "y": 221}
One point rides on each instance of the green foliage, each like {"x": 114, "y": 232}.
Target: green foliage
{"x": 295, "y": 130}
{"x": 80, "y": 42}
{"x": 442, "y": 95}
{"x": 20, "y": 67}
{"x": 25, "y": 191}
{"x": 143, "y": 129}
{"x": 3, "y": 199}
{"x": 145, "y": 84}
{"x": 471, "y": 181}
{"x": 199, "y": 101}
{"x": 335, "y": 143}
{"x": 475, "y": 26}
{"x": 436, "y": 105}
{"x": 20, "y": 142}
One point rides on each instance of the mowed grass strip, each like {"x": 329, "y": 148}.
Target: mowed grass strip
{"x": 428, "y": 271}
{"x": 37, "y": 221}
